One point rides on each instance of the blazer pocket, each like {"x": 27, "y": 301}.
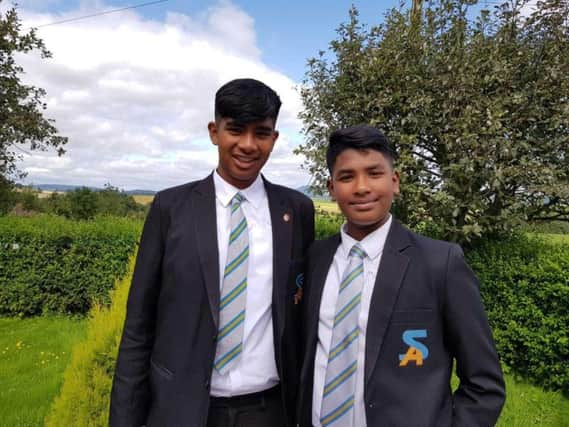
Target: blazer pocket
{"x": 422, "y": 315}
{"x": 161, "y": 370}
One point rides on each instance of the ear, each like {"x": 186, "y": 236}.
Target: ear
{"x": 330, "y": 186}
{"x": 395, "y": 180}
{"x": 212, "y": 130}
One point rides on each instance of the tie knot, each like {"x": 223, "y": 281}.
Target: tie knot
{"x": 237, "y": 200}
{"x": 358, "y": 251}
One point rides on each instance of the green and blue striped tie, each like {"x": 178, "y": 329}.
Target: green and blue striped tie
{"x": 340, "y": 382}
{"x": 234, "y": 291}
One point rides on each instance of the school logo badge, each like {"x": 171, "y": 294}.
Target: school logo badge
{"x": 417, "y": 351}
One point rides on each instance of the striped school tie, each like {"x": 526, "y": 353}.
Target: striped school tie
{"x": 234, "y": 291}
{"x": 340, "y": 383}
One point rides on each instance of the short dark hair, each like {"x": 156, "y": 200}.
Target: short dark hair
{"x": 246, "y": 101}
{"x": 360, "y": 137}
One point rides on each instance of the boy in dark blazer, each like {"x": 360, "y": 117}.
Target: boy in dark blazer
{"x": 211, "y": 330}
{"x": 386, "y": 311}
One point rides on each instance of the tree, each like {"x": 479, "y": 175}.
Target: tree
{"x": 477, "y": 109}
{"x": 21, "y": 106}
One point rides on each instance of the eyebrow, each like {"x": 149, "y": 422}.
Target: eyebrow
{"x": 264, "y": 128}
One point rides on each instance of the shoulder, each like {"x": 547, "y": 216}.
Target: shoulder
{"x": 173, "y": 195}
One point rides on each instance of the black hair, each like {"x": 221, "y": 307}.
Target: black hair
{"x": 246, "y": 101}
{"x": 360, "y": 137}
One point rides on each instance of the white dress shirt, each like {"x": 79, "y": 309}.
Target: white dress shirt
{"x": 373, "y": 245}
{"x": 256, "y": 369}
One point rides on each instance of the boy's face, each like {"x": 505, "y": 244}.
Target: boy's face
{"x": 363, "y": 184}
{"x": 242, "y": 149}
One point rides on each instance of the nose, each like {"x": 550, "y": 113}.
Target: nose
{"x": 247, "y": 142}
{"x": 362, "y": 185}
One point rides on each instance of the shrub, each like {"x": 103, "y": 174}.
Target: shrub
{"x": 85, "y": 394}
{"x": 52, "y": 265}
{"x": 327, "y": 223}
{"x": 525, "y": 288}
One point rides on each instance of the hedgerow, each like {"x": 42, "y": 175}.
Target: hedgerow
{"x": 525, "y": 288}
{"x": 52, "y": 265}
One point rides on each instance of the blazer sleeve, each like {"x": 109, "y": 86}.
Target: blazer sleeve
{"x": 481, "y": 393}
{"x": 130, "y": 395}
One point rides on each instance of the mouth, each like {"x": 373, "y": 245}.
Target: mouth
{"x": 244, "y": 162}
{"x": 362, "y": 205}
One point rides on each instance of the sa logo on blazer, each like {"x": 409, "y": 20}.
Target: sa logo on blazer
{"x": 417, "y": 351}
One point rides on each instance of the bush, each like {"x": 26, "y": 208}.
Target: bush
{"x": 327, "y": 223}
{"x": 52, "y": 265}
{"x": 525, "y": 288}
{"x": 85, "y": 394}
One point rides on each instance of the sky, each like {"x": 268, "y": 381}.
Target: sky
{"x": 133, "y": 90}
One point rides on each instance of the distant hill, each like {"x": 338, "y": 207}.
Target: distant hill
{"x": 305, "y": 189}
{"x": 63, "y": 188}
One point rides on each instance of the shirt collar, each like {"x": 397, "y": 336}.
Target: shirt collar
{"x": 225, "y": 191}
{"x": 372, "y": 244}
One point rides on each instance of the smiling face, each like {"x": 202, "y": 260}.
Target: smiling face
{"x": 363, "y": 184}
{"x": 243, "y": 149}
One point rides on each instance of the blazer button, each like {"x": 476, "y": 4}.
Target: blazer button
{"x": 371, "y": 405}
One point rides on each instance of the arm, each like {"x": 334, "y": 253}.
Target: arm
{"x": 481, "y": 393}
{"x": 130, "y": 396}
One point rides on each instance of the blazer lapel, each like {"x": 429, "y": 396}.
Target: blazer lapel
{"x": 316, "y": 288}
{"x": 203, "y": 206}
{"x": 282, "y": 224}
{"x": 391, "y": 272}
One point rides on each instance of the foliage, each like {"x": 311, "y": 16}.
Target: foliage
{"x": 84, "y": 398}
{"x": 327, "y": 223}
{"x": 525, "y": 288}
{"x": 477, "y": 110}
{"x": 81, "y": 203}
{"x": 21, "y": 106}
{"x": 33, "y": 356}
{"x": 52, "y": 265}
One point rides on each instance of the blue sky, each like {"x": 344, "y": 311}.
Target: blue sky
{"x": 134, "y": 90}
{"x": 288, "y": 32}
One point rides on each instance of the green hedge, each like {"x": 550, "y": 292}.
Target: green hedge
{"x": 327, "y": 223}
{"x": 525, "y": 288}
{"x": 52, "y": 265}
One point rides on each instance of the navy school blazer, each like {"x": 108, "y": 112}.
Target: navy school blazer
{"x": 165, "y": 360}
{"x": 425, "y": 311}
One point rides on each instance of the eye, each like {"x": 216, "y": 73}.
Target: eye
{"x": 344, "y": 178}
{"x": 234, "y": 130}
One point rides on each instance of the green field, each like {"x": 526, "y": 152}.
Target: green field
{"x": 33, "y": 355}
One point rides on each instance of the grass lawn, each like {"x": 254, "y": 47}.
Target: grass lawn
{"x": 528, "y": 405}
{"x": 143, "y": 199}
{"x": 33, "y": 355}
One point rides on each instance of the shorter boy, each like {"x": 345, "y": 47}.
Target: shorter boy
{"x": 386, "y": 311}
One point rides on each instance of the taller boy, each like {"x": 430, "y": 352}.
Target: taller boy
{"x": 211, "y": 328}
{"x": 387, "y": 311}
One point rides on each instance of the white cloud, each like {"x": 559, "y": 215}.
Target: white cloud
{"x": 134, "y": 96}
